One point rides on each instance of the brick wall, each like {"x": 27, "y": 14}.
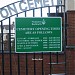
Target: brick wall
{"x": 70, "y": 59}
{"x": 71, "y": 28}
{"x": 70, "y": 42}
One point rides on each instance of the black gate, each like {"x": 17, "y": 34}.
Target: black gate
{"x": 32, "y": 63}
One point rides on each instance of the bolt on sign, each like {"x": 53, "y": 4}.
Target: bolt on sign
{"x": 38, "y": 35}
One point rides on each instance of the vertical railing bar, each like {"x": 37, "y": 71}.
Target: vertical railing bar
{"x": 18, "y": 64}
{"x": 57, "y": 55}
{"x": 64, "y": 27}
{"x": 56, "y": 11}
{"x": 64, "y": 38}
{"x": 34, "y": 66}
{"x": 26, "y": 58}
{"x": 10, "y": 46}
{"x": 2, "y": 49}
{"x": 18, "y": 60}
{"x": 42, "y": 65}
{"x": 33, "y": 12}
{"x": 66, "y": 22}
{"x": 42, "y": 52}
{"x": 34, "y": 52}
{"x": 50, "y": 64}
{"x": 26, "y": 64}
{"x": 25, "y": 13}
{"x": 50, "y": 52}
{"x": 65, "y": 63}
{"x": 41, "y": 11}
{"x": 61, "y": 6}
{"x": 57, "y": 58}
{"x": 48, "y": 10}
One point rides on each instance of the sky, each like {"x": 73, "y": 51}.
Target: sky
{"x": 6, "y": 2}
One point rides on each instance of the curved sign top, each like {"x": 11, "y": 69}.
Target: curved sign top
{"x": 21, "y": 6}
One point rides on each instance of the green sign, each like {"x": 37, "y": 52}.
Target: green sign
{"x": 38, "y": 35}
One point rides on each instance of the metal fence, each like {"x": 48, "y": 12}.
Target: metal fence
{"x": 7, "y": 40}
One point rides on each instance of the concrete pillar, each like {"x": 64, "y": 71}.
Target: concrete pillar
{"x": 70, "y": 5}
{"x": 74, "y": 4}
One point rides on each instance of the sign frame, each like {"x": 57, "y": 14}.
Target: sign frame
{"x": 39, "y": 51}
